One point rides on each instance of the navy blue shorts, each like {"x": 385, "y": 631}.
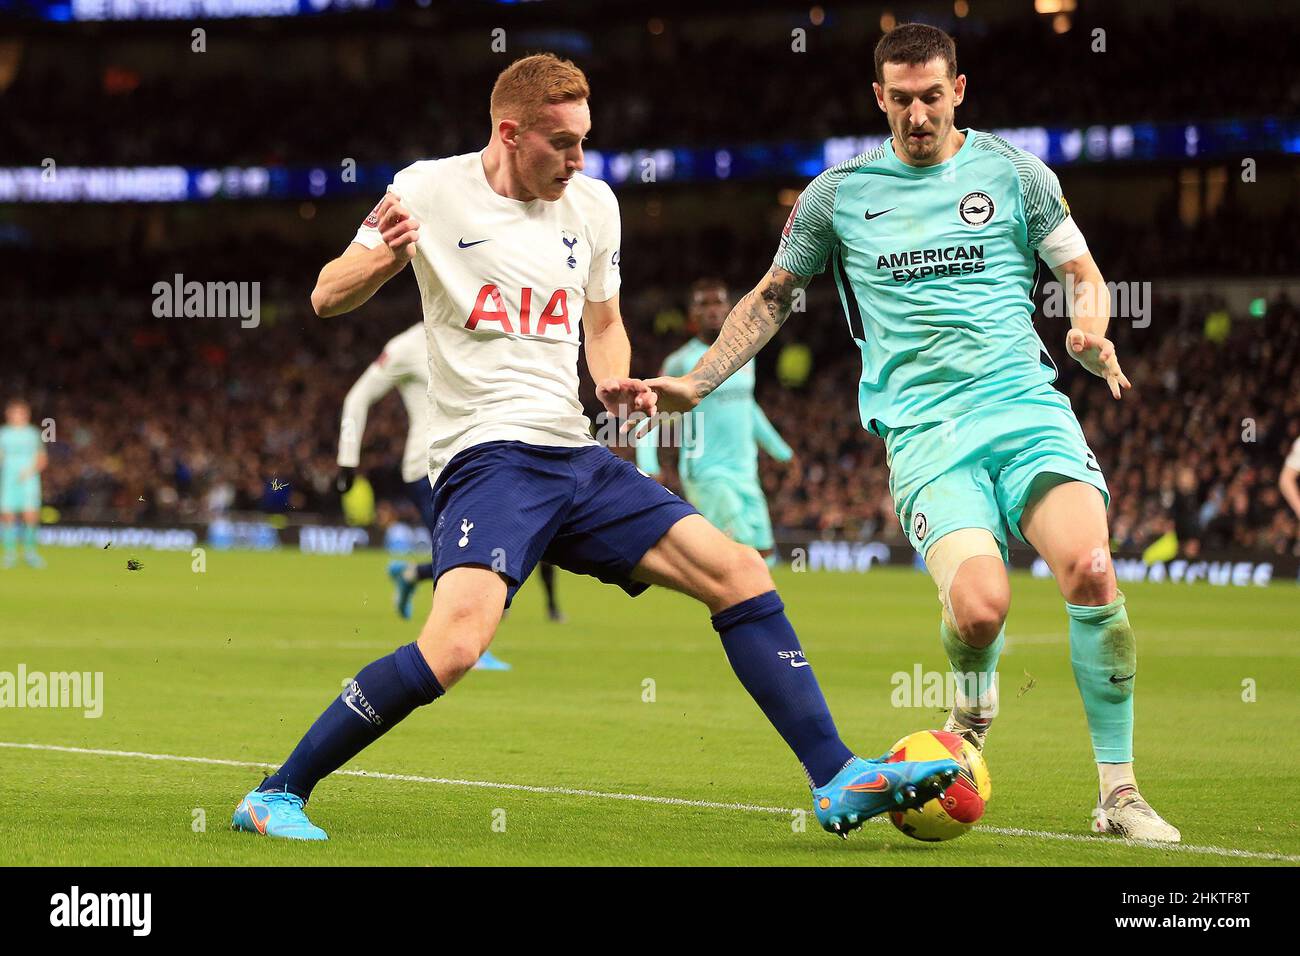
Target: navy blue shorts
{"x": 421, "y": 494}
{"x": 506, "y": 505}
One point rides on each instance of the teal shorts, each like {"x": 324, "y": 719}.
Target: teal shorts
{"x": 734, "y": 504}
{"x": 977, "y": 470}
{"x": 19, "y": 495}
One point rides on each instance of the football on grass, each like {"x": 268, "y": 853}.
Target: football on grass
{"x": 962, "y": 804}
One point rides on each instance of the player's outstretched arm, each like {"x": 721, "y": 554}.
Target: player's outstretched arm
{"x": 750, "y": 325}
{"x": 373, "y": 385}
{"x": 1089, "y": 316}
{"x": 350, "y": 280}
{"x": 609, "y": 356}
{"x": 1289, "y": 484}
{"x": 768, "y": 438}
{"x": 609, "y": 353}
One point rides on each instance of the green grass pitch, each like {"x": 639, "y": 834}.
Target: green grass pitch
{"x": 232, "y": 664}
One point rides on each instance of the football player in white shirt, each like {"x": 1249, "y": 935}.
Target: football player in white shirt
{"x": 402, "y": 365}
{"x": 1288, "y": 481}
{"x": 512, "y": 248}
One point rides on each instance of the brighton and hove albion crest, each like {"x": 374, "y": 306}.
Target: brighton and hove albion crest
{"x": 975, "y": 208}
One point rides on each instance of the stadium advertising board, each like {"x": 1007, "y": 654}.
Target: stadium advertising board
{"x": 802, "y": 554}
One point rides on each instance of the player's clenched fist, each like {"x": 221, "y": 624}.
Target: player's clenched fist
{"x": 1096, "y": 353}
{"x": 398, "y": 228}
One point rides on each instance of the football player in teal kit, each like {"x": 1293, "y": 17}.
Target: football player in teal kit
{"x": 718, "y": 460}
{"x": 22, "y": 459}
{"x": 932, "y": 239}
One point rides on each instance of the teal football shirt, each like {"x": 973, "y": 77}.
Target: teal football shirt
{"x": 935, "y": 268}
{"x": 723, "y": 434}
{"x": 20, "y": 484}
{"x": 20, "y": 445}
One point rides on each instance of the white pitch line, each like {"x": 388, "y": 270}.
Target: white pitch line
{"x": 1148, "y": 844}
{"x": 662, "y": 801}
{"x": 408, "y": 778}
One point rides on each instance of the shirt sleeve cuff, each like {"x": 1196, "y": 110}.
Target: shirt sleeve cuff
{"x": 605, "y": 290}
{"x": 1062, "y": 244}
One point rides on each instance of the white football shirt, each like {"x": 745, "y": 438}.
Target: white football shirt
{"x": 1293, "y": 458}
{"x": 401, "y": 365}
{"x": 503, "y": 284}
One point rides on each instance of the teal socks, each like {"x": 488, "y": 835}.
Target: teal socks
{"x": 974, "y": 667}
{"x": 1103, "y": 653}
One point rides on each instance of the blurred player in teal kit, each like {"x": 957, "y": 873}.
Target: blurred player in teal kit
{"x": 718, "y": 460}
{"x": 933, "y": 238}
{"x": 22, "y": 459}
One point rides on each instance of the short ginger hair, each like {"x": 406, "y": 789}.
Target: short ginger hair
{"x": 526, "y": 85}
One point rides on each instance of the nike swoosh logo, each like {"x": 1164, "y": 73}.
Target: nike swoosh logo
{"x": 1091, "y": 467}
{"x": 800, "y": 663}
{"x": 1120, "y": 680}
{"x": 872, "y": 215}
{"x": 350, "y": 699}
{"x": 465, "y": 245}
{"x": 876, "y": 785}
{"x": 351, "y": 702}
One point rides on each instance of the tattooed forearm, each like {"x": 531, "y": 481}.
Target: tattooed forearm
{"x": 751, "y": 324}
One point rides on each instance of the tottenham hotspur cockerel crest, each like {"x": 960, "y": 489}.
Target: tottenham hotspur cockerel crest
{"x": 570, "y": 239}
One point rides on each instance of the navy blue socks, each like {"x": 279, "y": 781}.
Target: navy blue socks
{"x": 424, "y": 572}
{"x": 756, "y": 635}
{"x": 766, "y": 656}
{"x": 381, "y": 695}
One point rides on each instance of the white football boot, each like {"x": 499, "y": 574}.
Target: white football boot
{"x": 1125, "y": 813}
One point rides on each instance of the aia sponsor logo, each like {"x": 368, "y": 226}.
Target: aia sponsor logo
{"x": 372, "y": 221}
{"x": 491, "y": 307}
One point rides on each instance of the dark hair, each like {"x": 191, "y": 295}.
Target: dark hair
{"x": 706, "y": 283}
{"x": 915, "y": 44}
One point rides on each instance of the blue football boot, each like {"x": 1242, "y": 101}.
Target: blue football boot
{"x": 489, "y": 663}
{"x": 275, "y": 813}
{"x": 403, "y": 591}
{"x": 868, "y": 788}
